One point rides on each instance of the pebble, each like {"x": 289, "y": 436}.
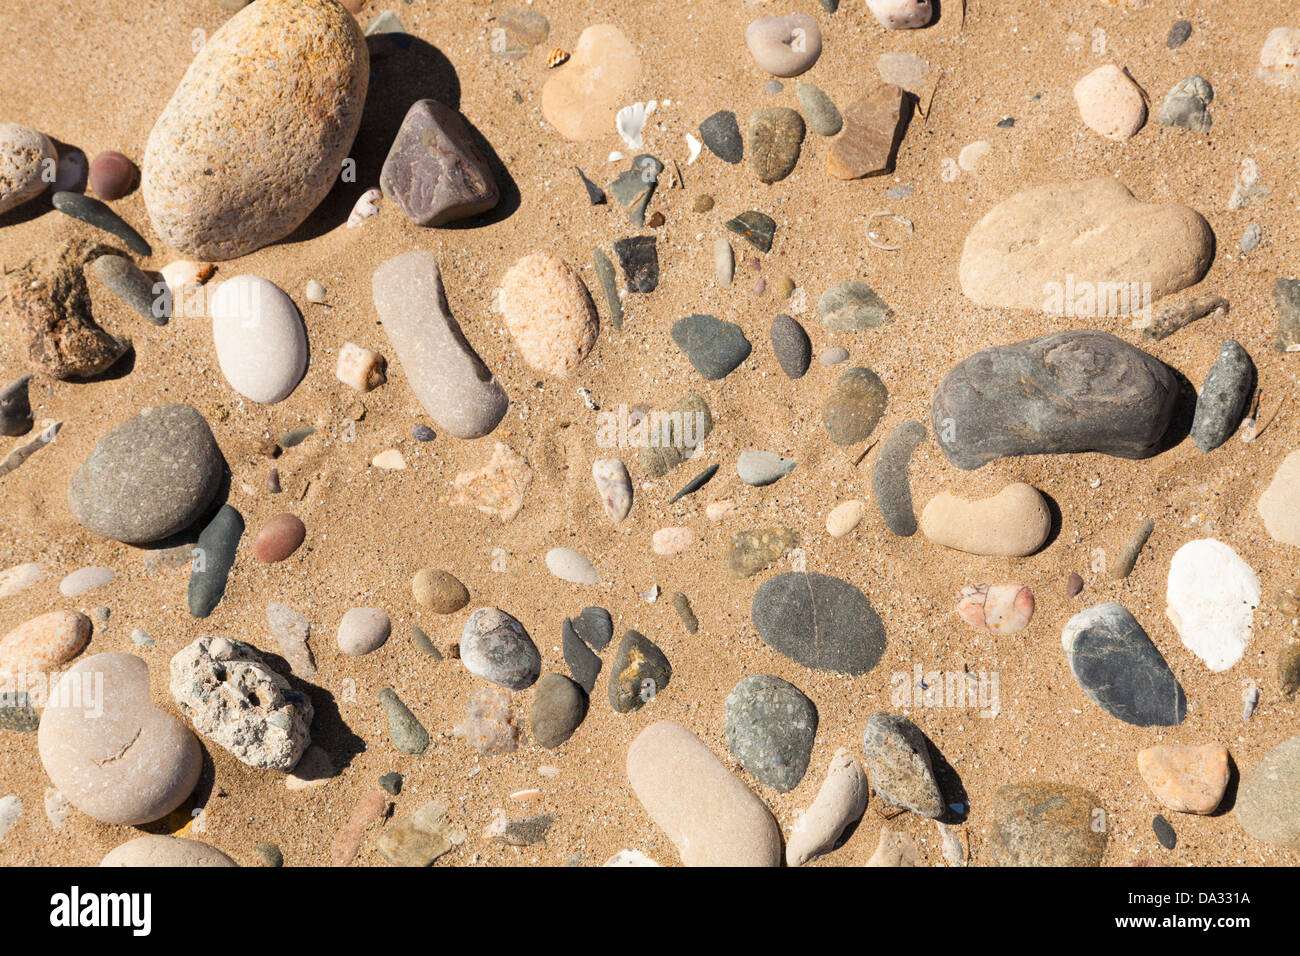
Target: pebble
{"x": 770, "y": 726}
{"x": 269, "y": 855}
{"x": 292, "y": 631}
{"x": 498, "y": 487}
{"x": 715, "y": 348}
{"x": 775, "y": 137}
{"x": 906, "y": 70}
{"x": 44, "y": 643}
{"x": 215, "y": 557}
{"x": 1000, "y": 608}
{"x": 1187, "y": 105}
{"x": 695, "y": 484}
{"x": 1178, "y": 34}
{"x": 521, "y": 30}
{"x": 1110, "y": 103}
{"x": 820, "y": 622}
{"x": 676, "y": 442}
{"x": 1286, "y": 296}
{"x": 126, "y": 281}
{"x": 233, "y": 698}
{"x": 633, "y": 189}
{"x": 126, "y": 762}
{"x": 784, "y": 46}
{"x": 20, "y": 577}
{"x": 1186, "y": 779}
{"x": 709, "y": 814}
{"x": 1122, "y": 565}
{"x": 71, "y": 173}
{"x": 495, "y": 647}
{"x": 791, "y": 345}
{"x": 595, "y": 195}
{"x": 682, "y": 605}
{"x": 85, "y": 579}
{"x": 434, "y": 171}
{"x": 314, "y": 292}
{"x": 720, "y": 132}
{"x": 1013, "y": 523}
{"x": 448, "y": 378}
{"x": 973, "y": 155}
{"x": 1266, "y": 804}
{"x": 420, "y": 839}
{"x": 703, "y": 203}
{"x": 559, "y": 705}
{"x": 1120, "y": 670}
{"x": 405, "y": 729}
{"x": 549, "y": 313}
{"x": 94, "y": 213}
{"x": 638, "y": 256}
{"x": 595, "y": 626}
{"x": 873, "y": 128}
{"x": 165, "y": 851}
{"x": 581, "y": 98}
{"x": 640, "y": 672}
{"x": 1073, "y": 584}
{"x": 490, "y": 726}
{"x": 833, "y": 356}
{"x": 762, "y": 468}
{"x": 844, "y": 517}
{"x": 423, "y": 433}
{"x": 670, "y": 541}
{"x": 1164, "y": 832}
{"x": 294, "y": 67}
{"x": 569, "y": 565}
{"x": 1046, "y": 824}
{"x": 424, "y": 644}
{"x": 819, "y": 110}
{"x": 895, "y": 849}
{"x": 1288, "y": 669}
{"x": 260, "y": 338}
{"x": 853, "y": 409}
{"x": 1224, "y": 396}
{"x": 1024, "y": 246}
{"x": 17, "y": 713}
{"x": 901, "y": 14}
{"x": 370, "y": 808}
{"x": 24, "y": 156}
{"x": 392, "y": 783}
{"x": 852, "y": 306}
{"x": 1043, "y": 397}
{"x": 889, "y": 480}
{"x": 613, "y": 487}
{"x": 759, "y": 229}
{"x": 440, "y": 591}
{"x": 360, "y": 368}
{"x": 583, "y": 663}
{"x": 1279, "y": 59}
{"x": 751, "y": 551}
{"x": 279, "y": 538}
{"x": 16, "y": 407}
{"x": 1279, "y": 505}
{"x": 839, "y": 804}
{"x": 1212, "y": 595}
{"x": 149, "y": 477}
{"x": 363, "y": 630}
{"x": 724, "y": 262}
{"x": 898, "y": 761}
{"x": 1175, "y": 317}
{"x": 1251, "y": 238}
{"x": 112, "y": 175}
{"x": 366, "y": 207}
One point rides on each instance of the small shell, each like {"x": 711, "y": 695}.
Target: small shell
{"x": 557, "y": 57}
{"x": 367, "y": 206}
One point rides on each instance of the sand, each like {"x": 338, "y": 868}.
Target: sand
{"x": 97, "y": 75}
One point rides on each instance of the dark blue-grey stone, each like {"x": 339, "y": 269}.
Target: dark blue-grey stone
{"x": 770, "y": 728}
{"x": 595, "y": 626}
{"x": 1057, "y": 394}
{"x": 16, "y": 408}
{"x": 94, "y": 213}
{"x": 583, "y": 663}
{"x": 898, "y": 761}
{"x": 1164, "y": 832}
{"x": 605, "y": 275}
{"x": 791, "y": 345}
{"x": 852, "y": 306}
{"x": 634, "y": 188}
{"x": 594, "y": 192}
{"x": 721, "y": 133}
{"x": 714, "y": 347}
{"x": 639, "y": 258}
{"x": 1119, "y": 668}
{"x": 696, "y": 483}
{"x": 640, "y": 672}
{"x": 889, "y": 481}
{"x": 423, "y": 433}
{"x": 819, "y": 621}
{"x": 126, "y": 281}
{"x": 214, "y": 556}
{"x": 757, "y": 228}
{"x": 1222, "y": 402}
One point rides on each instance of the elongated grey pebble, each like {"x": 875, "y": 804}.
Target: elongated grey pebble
{"x": 408, "y": 734}
{"x": 1223, "y": 397}
{"x": 605, "y": 274}
{"x": 889, "y": 479}
{"x": 296, "y": 436}
{"x": 791, "y": 345}
{"x": 93, "y": 212}
{"x": 213, "y": 558}
{"x": 1123, "y": 564}
{"x": 583, "y": 663}
{"x": 424, "y": 643}
{"x": 129, "y": 283}
{"x": 818, "y": 109}
{"x": 696, "y": 483}
{"x": 1176, "y": 317}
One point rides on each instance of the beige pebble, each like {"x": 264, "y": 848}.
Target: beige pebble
{"x": 1013, "y": 523}
{"x": 549, "y": 313}
{"x": 895, "y": 849}
{"x": 1111, "y": 103}
{"x": 1279, "y": 59}
{"x": 669, "y": 541}
{"x": 391, "y": 460}
{"x": 44, "y": 643}
{"x": 840, "y": 802}
{"x": 844, "y": 517}
{"x": 1186, "y": 779}
{"x": 369, "y": 810}
{"x": 360, "y": 367}
{"x": 20, "y": 577}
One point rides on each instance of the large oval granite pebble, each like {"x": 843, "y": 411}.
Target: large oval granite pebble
{"x": 712, "y": 818}
{"x": 161, "y": 850}
{"x": 289, "y": 76}
{"x": 1057, "y": 394}
{"x": 495, "y": 647}
{"x": 1119, "y": 668}
{"x": 151, "y": 476}
{"x": 1268, "y": 799}
{"x": 112, "y": 753}
{"x": 43, "y": 643}
{"x": 853, "y": 408}
{"x": 1057, "y": 237}
{"x": 820, "y": 621}
{"x": 1047, "y": 824}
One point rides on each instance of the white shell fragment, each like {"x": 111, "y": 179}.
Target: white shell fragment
{"x": 1212, "y": 596}
{"x": 630, "y": 121}
{"x": 367, "y": 206}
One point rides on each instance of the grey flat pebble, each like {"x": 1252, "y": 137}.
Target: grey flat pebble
{"x": 605, "y": 275}
{"x": 1251, "y": 238}
{"x": 819, "y": 110}
{"x": 773, "y": 87}
{"x": 721, "y": 133}
{"x": 762, "y": 468}
{"x": 819, "y": 621}
{"x": 716, "y": 348}
{"x": 902, "y": 190}
{"x": 833, "y": 356}
{"x": 424, "y": 644}
{"x": 392, "y": 783}
{"x": 791, "y": 345}
{"x": 1223, "y": 398}
{"x": 639, "y": 259}
{"x": 16, "y": 407}
{"x": 1164, "y": 832}
{"x": 757, "y": 227}
{"x": 853, "y": 409}
{"x": 594, "y": 192}
{"x": 1120, "y": 670}
{"x": 695, "y": 484}
{"x": 634, "y": 188}
{"x": 595, "y": 626}
{"x": 140, "y": 639}
{"x": 93, "y": 212}
{"x": 408, "y": 734}
{"x": 126, "y": 281}
{"x": 583, "y": 663}
{"x": 899, "y": 764}
{"x": 423, "y": 433}
{"x": 1178, "y": 34}
{"x": 559, "y": 705}
{"x": 852, "y": 306}
{"x": 292, "y": 631}
{"x": 640, "y": 671}
{"x": 770, "y": 726}
{"x": 213, "y": 558}
{"x": 1007, "y": 122}
{"x": 1266, "y": 805}
{"x": 889, "y": 479}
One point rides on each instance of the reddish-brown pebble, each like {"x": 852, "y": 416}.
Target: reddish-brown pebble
{"x": 279, "y": 538}
{"x": 112, "y": 175}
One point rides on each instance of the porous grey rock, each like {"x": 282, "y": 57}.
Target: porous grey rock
{"x": 1267, "y": 804}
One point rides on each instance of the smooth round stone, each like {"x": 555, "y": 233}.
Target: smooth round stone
{"x": 495, "y": 647}
{"x": 559, "y": 706}
{"x": 711, "y": 817}
{"x": 549, "y": 313}
{"x": 819, "y": 621}
{"x": 1046, "y": 824}
{"x": 791, "y": 346}
{"x": 362, "y": 630}
{"x": 279, "y": 538}
{"x": 819, "y": 110}
{"x": 1000, "y": 608}
{"x": 1279, "y": 505}
{"x": 440, "y": 591}
{"x": 1279, "y": 59}
{"x": 292, "y": 75}
{"x": 44, "y": 643}
{"x": 840, "y": 802}
{"x": 260, "y": 338}
{"x": 775, "y": 137}
{"x": 784, "y": 46}
{"x": 901, "y": 14}
{"x": 158, "y": 850}
{"x": 833, "y": 356}
{"x": 670, "y": 541}
{"x": 899, "y": 765}
{"x": 1110, "y": 103}
{"x": 112, "y": 175}
{"x": 1120, "y": 669}
{"x": 853, "y": 409}
{"x": 1186, "y": 779}
{"x": 762, "y": 468}
{"x": 151, "y": 476}
{"x": 1013, "y": 523}
{"x": 20, "y": 577}
{"x": 568, "y": 565}
{"x": 770, "y": 727}
{"x": 1266, "y": 805}
{"x": 120, "y": 760}
{"x": 1211, "y": 596}
{"x": 24, "y": 153}
{"x": 581, "y": 98}
{"x": 85, "y": 579}
{"x": 844, "y": 517}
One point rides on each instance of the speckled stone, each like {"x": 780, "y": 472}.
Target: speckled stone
{"x": 1222, "y": 401}
{"x": 166, "y": 851}
{"x": 1120, "y": 669}
{"x": 791, "y": 345}
{"x": 559, "y": 706}
{"x": 853, "y": 409}
{"x": 1046, "y": 824}
{"x": 495, "y": 647}
{"x": 24, "y": 153}
{"x": 819, "y": 110}
{"x": 770, "y": 727}
{"x": 889, "y": 480}
{"x": 819, "y": 621}
{"x": 407, "y": 733}
{"x": 640, "y": 671}
{"x": 775, "y": 137}
{"x": 899, "y": 765}
{"x": 44, "y": 643}
{"x": 1267, "y": 807}
{"x": 549, "y": 313}
{"x": 440, "y": 591}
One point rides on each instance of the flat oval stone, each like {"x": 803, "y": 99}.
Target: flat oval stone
{"x": 559, "y": 706}
{"x": 434, "y": 170}
{"x": 595, "y": 626}
{"x": 1110, "y": 103}
{"x": 129, "y": 283}
{"x": 260, "y": 338}
{"x": 549, "y": 313}
{"x": 819, "y": 110}
{"x": 85, "y": 579}
{"x": 1211, "y": 596}
{"x": 24, "y": 155}
{"x": 770, "y": 727}
{"x": 674, "y": 434}
{"x": 572, "y": 566}
{"x": 290, "y": 74}
{"x": 844, "y": 517}
{"x": 819, "y": 621}
{"x": 775, "y": 137}
{"x": 784, "y": 46}
{"x": 1026, "y": 250}
{"x": 716, "y": 348}
{"x": 448, "y": 378}
{"x": 1266, "y": 804}
{"x": 640, "y": 672}
{"x": 150, "y": 477}
{"x": 791, "y": 346}
{"x": 113, "y": 754}
{"x": 852, "y": 411}
{"x": 721, "y": 133}
{"x": 1013, "y": 523}
{"x": 762, "y": 468}
{"x": 159, "y": 850}
{"x": 580, "y": 98}
{"x": 279, "y": 538}
{"x": 495, "y": 647}
{"x": 1222, "y": 401}
{"x": 44, "y": 643}
{"x": 1279, "y": 505}
{"x": 712, "y": 818}
{"x": 1047, "y": 824}
{"x": 1186, "y": 779}
{"x": 1119, "y": 668}
{"x": 1058, "y": 394}
{"x": 899, "y": 764}
{"x": 112, "y": 175}
{"x": 440, "y": 591}
{"x": 362, "y": 630}
{"x": 852, "y": 306}
{"x": 614, "y": 486}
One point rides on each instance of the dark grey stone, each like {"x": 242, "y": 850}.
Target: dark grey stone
{"x": 126, "y": 281}
{"x": 695, "y": 484}
{"x": 634, "y": 188}
{"x": 853, "y": 409}
{"x": 819, "y": 621}
{"x": 525, "y": 831}
{"x": 1120, "y": 670}
{"x": 639, "y": 259}
{"x": 758, "y": 229}
{"x": 640, "y": 672}
{"x": 423, "y": 433}
{"x": 791, "y": 345}
{"x": 889, "y": 480}
{"x": 94, "y": 213}
{"x": 1164, "y": 832}
{"x": 1187, "y": 105}
{"x": 775, "y": 137}
{"x": 1178, "y": 34}
{"x": 721, "y": 133}
{"x": 583, "y": 663}
{"x": 898, "y": 761}
{"x": 559, "y": 705}
{"x": 852, "y": 306}
{"x": 1286, "y": 296}
{"x": 595, "y": 626}
{"x": 214, "y": 557}
{"x": 408, "y": 734}
{"x": 594, "y": 192}
{"x": 605, "y": 274}
{"x": 434, "y": 171}
{"x": 1058, "y": 394}
{"x": 16, "y": 408}
{"x": 770, "y": 728}
{"x": 392, "y": 783}
{"x": 1222, "y": 402}
{"x": 714, "y": 347}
